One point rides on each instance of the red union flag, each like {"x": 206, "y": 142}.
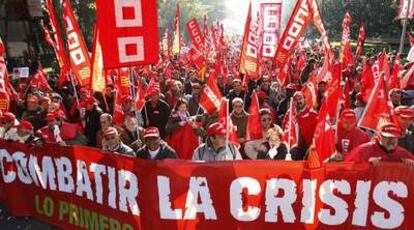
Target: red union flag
{"x": 78, "y": 51}
{"x": 406, "y": 9}
{"x": 250, "y": 50}
{"x": 317, "y": 21}
{"x": 295, "y": 28}
{"x": 271, "y": 14}
{"x": 196, "y": 35}
{"x": 210, "y": 99}
{"x": 129, "y": 39}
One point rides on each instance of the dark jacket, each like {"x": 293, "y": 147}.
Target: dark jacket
{"x": 166, "y": 152}
{"x": 157, "y": 116}
{"x": 92, "y": 125}
{"x": 281, "y": 152}
{"x": 125, "y": 150}
{"x": 34, "y": 117}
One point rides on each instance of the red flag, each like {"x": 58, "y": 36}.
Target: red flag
{"x": 197, "y": 37}
{"x": 295, "y": 28}
{"x": 317, "y": 21}
{"x": 323, "y": 72}
{"x": 176, "y": 40}
{"x": 140, "y": 97}
{"x": 123, "y": 82}
{"x": 97, "y": 75}
{"x": 78, "y": 51}
{"x": 210, "y": 98}
{"x": 394, "y": 81}
{"x": 377, "y": 110}
{"x": 411, "y": 38}
{"x": 153, "y": 85}
{"x": 271, "y": 18}
{"x": 348, "y": 103}
{"x": 58, "y": 43}
{"x": 4, "y": 87}
{"x": 310, "y": 91}
{"x": 166, "y": 43}
{"x": 130, "y": 29}
{"x": 406, "y": 10}
{"x": 250, "y": 50}
{"x": 367, "y": 81}
{"x": 2, "y": 49}
{"x": 254, "y": 124}
{"x": 290, "y": 134}
{"x": 346, "y": 52}
{"x": 407, "y": 82}
{"x": 40, "y": 80}
{"x": 361, "y": 40}
{"x": 225, "y": 119}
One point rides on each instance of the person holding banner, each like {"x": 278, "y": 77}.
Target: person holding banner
{"x": 25, "y": 134}
{"x": 273, "y": 148}
{"x": 112, "y": 143}
{"x": 8, "y": 125}
{"x": 216, "y": 147}
{"x": 405, "y": 118}
{"x": 155, "y": 148}
{"x": 383, "y": 148}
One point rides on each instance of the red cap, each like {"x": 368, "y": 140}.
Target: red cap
{"x": 90, "y": 100}
{"x": 45, "y": 98}
{"x": 151, "y": 132}
{"x": 110, "y": 131}
{"x": 153, "y": 91}
{"x": 55, "y": 115}
{"x": 348, "y": 115}
{"x": 83, "y": 90}
{"x": 125, "y": 99}
{"x": 24, "y": 124}
{"x": 404, "y": 111}
{"x": 293, "y": 87}
{"x": 359, "y": 97}
{"x": 390, "y": 130}
{"x": 216, "y": 129}
{"x": 261, "y": 95}
{"x": 8, "y": 116}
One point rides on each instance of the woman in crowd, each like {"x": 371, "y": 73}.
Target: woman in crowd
{"x": 273, "y": 148}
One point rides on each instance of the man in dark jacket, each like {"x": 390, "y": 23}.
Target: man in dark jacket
{"x": 92, "y": 125}
{"x": 155, "y": 148}
{"x": 156, "y": 112}
{"x": 112, "y": 142}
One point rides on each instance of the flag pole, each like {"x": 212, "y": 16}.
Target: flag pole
{"x": 404, "y": 29}
{"x": 288, "y": 155}
{"x": 75, "y": 93}
{"x": 227, "y": 125}
{"x": 134, "y": 89}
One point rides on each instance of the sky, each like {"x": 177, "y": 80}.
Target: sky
{"x": 237, "y": 12}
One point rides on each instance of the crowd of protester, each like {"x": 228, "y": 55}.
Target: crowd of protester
{"x": 39, "y": 116}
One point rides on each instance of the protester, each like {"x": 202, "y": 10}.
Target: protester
{"x": 236, "y": 92}
{"x": 273, "y": 148}
{"x": 405, "y": 120}
{"x": 349, "y": 136}
{"x": 239, "y": 118}
{"x": 92, "y": 124}
{"x": 106, "y": 120}
{"x": 33, "y": 112}
{"x": 112, "y": 143}
{"x": 156, "y": 112}
{"x": 395, "y": 96}
{"x": 24, "y": 134}
{"x": 8, "y": 125}
{"x": 252, "y": 146}
{"x": 61, "y": 132}
{"x": 216, "y": 147}
{"x": 132, "y": 133}
{"x": 155, "y": 148}
{"x": 383, "y": 148}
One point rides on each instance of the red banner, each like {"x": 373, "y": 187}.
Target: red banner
{"x": 196, "y": 35}
{"x": 78, "y": 51}
{"x": 271, "y": 14}
{"x": 249, "y": 63}
{"x": 80, "y": 187}
{"x": 406, "y": 10}
{"x": 299, "y": 20}
{"x": 317, "y": 21}
{"x": 130, "y": 29}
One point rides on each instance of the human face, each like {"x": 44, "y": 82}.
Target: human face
{"x": 6, "y": 124}
{"x": 347, "y": 125}
{"x": 396, "y": 99}
{"x": 266, "y": 84}
{"x": 182, "y": 108}
{"x": 152, "y": 143}
{"x": 238, "y": 107}
{"x": 23, "y": 132}
{"x": 299, "y": 102}
{"x": 218, "y": 141}
{"x": 31, "y": 106}
{"x": 237, "y": 86}
{"x": 274, "y": 141}
{"x": 196, "y": 89}
{"x": 112, "y": 140}
{"x": 155, "y": 97}
{"x": 404, "y": 122}
{"x": 389, "y": 143}
{"x": 104, "y": 123}
{"x": 52, "y": 123}
{"x": 266, "y": 122}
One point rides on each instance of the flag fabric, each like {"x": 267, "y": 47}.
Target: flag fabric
{"x": 406, "y": 10}
{"x": 254, "y": 124}
{"x": 4, "y": 87}
{"x": 80, "y": 62}
{"x": 153, "y": 86}
{"x": 361, "y": 40}
{"x": 394, "y": 82}
{"x": 407, "y": 82}
{"x": 290, "y": 128}
{"x": 346, "y": 52}
{"x": 317, "y": 21}
{"x": 140, "y": 97}
{"x": 367, "y": 81}
{"x": 249, "y": 60}
{"x": 295, "y": 28}
{"x": 176, "y": 41}
{"x": 40, "y": 80}
{"x": 210, "y": 99}
{"x": 56, "y": 42}
{"x": 166, "y": 43}
{"x": 271, "y": 18}
{"x": 310, "y": 91}
{"x": 377, "y": 110}
{"x": 2, "y": 48}
{"x": 225, "y": 119}
{"x": 98, "y": 80}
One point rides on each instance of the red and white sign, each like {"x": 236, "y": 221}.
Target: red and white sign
{"x": 271, "y": 14}
{"x": 406, "y": 9}
{"x": 129, "y": 30}
{"x": 196, "y": 35}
